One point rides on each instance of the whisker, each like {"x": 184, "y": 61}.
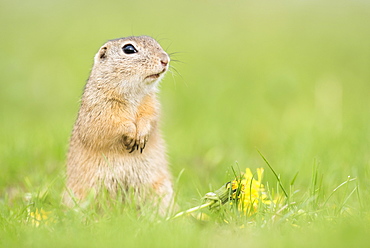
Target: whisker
{"x": 168, "y": 47}
{"x": 173, "y": 77}
{"x": 175, "y": 53}
{"x": 177, "y": 61}
{"x": 157, "y": 37}
{"x": 173, "y": 70}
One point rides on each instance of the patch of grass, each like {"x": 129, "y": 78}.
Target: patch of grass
{"x": 303, "y": 212}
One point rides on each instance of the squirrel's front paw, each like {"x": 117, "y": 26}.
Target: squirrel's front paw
{"x": 143, "y": 131}
{"x": 129, "y": 136}
{"x": 141, "y": 141}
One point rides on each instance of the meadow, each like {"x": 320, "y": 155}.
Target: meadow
{"x": 289, "y": 80}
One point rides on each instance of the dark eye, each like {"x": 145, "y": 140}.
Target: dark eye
{"x": 129, "y": 49}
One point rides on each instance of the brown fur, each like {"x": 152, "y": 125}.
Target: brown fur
{"x": 115, "y": 143}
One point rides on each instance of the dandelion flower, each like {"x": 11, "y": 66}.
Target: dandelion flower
{"x": 247, "y": 192}
{"x": 38, "y": 216}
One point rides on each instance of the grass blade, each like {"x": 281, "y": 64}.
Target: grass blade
{"x": 276, "y": 175}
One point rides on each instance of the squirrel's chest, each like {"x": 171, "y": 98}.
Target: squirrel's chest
{"x": 124, "y": 171}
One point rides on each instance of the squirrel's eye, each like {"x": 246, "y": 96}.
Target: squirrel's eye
{"x": 129, "y": 49}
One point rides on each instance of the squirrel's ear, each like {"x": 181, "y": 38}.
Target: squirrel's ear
{"x": 102, "y": 54}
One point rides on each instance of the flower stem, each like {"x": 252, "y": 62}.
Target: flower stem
{"x": 191, "y": 210}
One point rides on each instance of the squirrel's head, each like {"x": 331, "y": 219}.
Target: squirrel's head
{"x": 136, "y": 62}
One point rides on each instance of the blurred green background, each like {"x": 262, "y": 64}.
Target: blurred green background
{"x": 289, "y": 78}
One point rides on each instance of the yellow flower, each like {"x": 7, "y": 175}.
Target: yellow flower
{"x": 249, "y": 192}
{"x": 38, "y": 216}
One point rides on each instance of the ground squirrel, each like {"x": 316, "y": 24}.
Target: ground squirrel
{"x": 115, "y": 143}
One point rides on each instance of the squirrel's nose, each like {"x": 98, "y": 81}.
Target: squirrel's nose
{"x": 164, "y": 60}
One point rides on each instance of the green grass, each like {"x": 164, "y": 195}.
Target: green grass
{"x": 288, "y": 79}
